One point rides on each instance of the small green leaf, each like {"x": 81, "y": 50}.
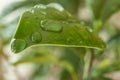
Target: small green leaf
{"x": 52, "y": 25}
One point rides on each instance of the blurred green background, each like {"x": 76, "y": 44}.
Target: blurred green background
{"x": 100, "y": 16}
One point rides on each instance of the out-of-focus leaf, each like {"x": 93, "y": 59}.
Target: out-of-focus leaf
{"x": 74, "y": 58}
{"x": 114, "y": 40}
{"x": 6, "y": 33}
{"x": 110, "y": 8}
{"x": 52, "y": 25}
{"x": 101, "y": 78}
{"x": 103, "y": 9}
{"x": 40, "y": 72}
{"x": 70, "y": 5}
{"x": 37, "y": 59}
{"x": 105, "y": 66}
{"x": 19, "y": 4}
{"x": 99, "y": 70}
{"x": 97, "y": 6}
{"x": 49, "y": 59}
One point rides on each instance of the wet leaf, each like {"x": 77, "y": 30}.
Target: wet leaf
{"x": 52, "y": 25}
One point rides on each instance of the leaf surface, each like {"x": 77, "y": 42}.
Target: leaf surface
{"x": 52, "y": 25}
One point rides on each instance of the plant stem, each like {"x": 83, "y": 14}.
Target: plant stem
{"x": 88, "y": 65}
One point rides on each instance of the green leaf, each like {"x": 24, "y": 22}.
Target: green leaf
{"x": 52, "y": 25}
{"x": 104, "y": 9}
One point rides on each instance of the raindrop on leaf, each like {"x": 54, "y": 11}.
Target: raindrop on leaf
{"x": 40, "y": 6}
{"x": 51, "y": 25}
{"x": 36, "y": 37}
{"x": 18, "y": 45}
{"x": 56, "y": 6}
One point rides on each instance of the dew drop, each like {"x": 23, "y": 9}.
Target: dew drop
{"x": 56, "y": 6}
{"x": 17, "y": 45}
{"x": 36, "y": 37}
{"x": 51, "y": 25}
{"x": 40, "y": 6}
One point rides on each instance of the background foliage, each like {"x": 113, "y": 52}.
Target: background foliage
{"x": 63, "y": 63}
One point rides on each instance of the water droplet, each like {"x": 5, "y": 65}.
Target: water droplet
{"x": 56, "y": 6}
{"x": 36, "y": 37}
{"x": 51, "y": 25}
{"x": 40, "y": 6}
{"x": 18, "y": 45}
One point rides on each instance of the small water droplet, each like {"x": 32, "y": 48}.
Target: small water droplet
{"x": 56, "y": 6}
{"x": 36, "y": 37}
{"x": 40, "y": 6}
{"x": 51, "y": 25}
{"x": 17, "y": 45}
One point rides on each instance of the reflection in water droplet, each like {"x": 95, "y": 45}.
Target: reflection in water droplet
{"x": 56, "y": 6}
{"x": 18, "y": 45}
{"x": 51, "y": 25}
{"x": 36, "y": 37}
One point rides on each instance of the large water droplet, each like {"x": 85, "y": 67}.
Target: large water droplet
{"x": 18, "y": 45}
{"x": 36, "y": 37}
{"x": 51, "y": 25}
{"x": 56, "y": 6}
